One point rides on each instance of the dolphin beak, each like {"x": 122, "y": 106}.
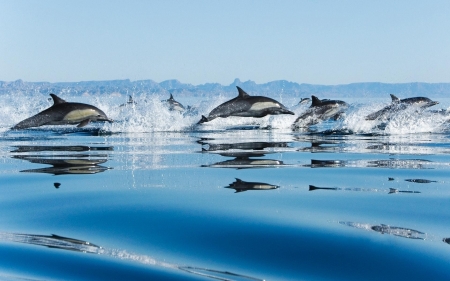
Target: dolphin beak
{"x": 289, "y": 112}
{"x": 432, "y": 103}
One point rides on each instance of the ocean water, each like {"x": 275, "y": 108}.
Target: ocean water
{"x": 153, "y": 196}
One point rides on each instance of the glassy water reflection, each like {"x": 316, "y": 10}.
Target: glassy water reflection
{"x": 226, "y": 205}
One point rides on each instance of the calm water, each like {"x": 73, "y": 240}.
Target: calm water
{"x": 155, "y": 197}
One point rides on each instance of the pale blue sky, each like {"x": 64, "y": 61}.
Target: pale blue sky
{"x": 318, "y": 42}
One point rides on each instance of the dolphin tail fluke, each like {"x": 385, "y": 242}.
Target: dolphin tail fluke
{"x": 312, "y": 187}
{"x": 203, "y": 120}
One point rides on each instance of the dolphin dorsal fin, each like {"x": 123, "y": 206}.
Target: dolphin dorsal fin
{"x": 242, "y": 93}
{"x": 238, "y": 180}
{"x": 394, "y": 98}
{"x": 315, "y": 101}
{"x": 171, "y": 97}
{"x": 56, "y": 99}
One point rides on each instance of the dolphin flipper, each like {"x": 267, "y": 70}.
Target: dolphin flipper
{"x": 83, "y": 123}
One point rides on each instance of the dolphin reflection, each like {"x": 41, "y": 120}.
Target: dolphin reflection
{"x": 248, "y": 146}
{"x": 246, "y": 160}
{"x": 64, "y": 163}
{"x": 420, "y": 180}
{"x": 64, "y": 243}
{"x": 391, "y": 190}
{"x": 386, "y": 229}
{"x": 390, "y": 164}
{"x": 65, "y": 166}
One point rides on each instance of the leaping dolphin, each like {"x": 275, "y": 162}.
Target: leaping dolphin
{"x": 304, "y": 100}
{"x": 174, "y": 105}
{"x": 245, "y": 105}
{"x": 129, "y": 102}
{"x": 401, "y": 104}
{"x": 320, "y": 110}
{"x": 63, "y": 113}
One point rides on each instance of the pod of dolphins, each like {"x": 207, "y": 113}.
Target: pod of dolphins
{"x": 244, "y": 105}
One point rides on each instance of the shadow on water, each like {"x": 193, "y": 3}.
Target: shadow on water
{"x": 76, "y": 245}
{"x": 64, "y": 164}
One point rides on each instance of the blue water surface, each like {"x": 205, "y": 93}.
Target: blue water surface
{"x": 155, "y": 197}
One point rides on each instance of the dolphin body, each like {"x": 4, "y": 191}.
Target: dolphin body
{"x": 241, "y": 186}
{"x": 63, "y": 113}
{"x": 320, "y": 110}
{"x": 401, "y": 104}
{"x": 174, "y": 105}
{"x": 245, "y": 105}
{"x": 304, "y": 100}
{"x": 129, "y": 102}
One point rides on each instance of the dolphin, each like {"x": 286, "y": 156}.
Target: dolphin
{"x": 320, "y": 110}
{"x": 245, "y": 105}
{"x": 174, "y": 105}
{"x": 401, "y": 104}
{"x": 63, "y": 113}
{"x": 241, "y": 186}
{"x": 129, "y": 102}
{"x": 304, "y": 100}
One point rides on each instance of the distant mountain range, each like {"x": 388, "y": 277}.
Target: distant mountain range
{"x": 274, "y": 88}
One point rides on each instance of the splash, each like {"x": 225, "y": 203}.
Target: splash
{"x": 150, "y": 113}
